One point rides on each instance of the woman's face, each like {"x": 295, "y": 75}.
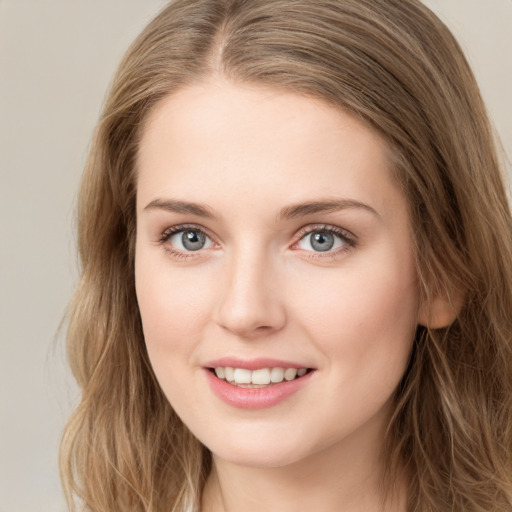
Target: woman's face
{"x": 272, "y": 240}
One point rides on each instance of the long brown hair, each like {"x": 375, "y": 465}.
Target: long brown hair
{"x": 395, "y": 66}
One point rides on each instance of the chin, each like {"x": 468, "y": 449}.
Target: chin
{"x": 258, "y": 457}
{"x": 262, "y": 451}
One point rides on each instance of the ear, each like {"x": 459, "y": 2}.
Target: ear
{"x": 440, "y": 311}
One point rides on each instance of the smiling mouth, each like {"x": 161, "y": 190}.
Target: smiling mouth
{"x": 260, "y": 378}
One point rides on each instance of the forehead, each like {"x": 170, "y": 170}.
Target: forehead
{"x": 219, "y": 139}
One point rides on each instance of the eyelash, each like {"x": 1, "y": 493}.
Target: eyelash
{"x": 349, "y": 240}
{"x": 173, "y": 230}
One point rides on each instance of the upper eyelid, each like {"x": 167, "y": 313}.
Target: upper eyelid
{"x": 312, "y": 228}
{"x": 172, "y": 230}
{"x": 304, "y": 229}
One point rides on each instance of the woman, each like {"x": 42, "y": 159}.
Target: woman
{"x": 297, "y": 269}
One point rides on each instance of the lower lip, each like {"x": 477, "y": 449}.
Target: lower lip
{"x": 255, "y": 398}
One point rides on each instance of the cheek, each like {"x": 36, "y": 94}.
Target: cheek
{"x": 363, "y": 317}
{"x": 173, "y": 307}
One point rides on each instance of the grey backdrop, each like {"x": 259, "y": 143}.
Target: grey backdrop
{"x": 56, "y": 60}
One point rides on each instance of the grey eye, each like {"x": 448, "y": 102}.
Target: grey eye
{"x": 193, "y": 240}
{"x": 321, "y": 241}
{"x": 190, "y": 240}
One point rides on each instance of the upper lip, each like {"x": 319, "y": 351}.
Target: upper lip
{"x": 253, "y": 364}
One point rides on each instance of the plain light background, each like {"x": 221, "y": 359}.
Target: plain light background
{"x": 56, "y": 61}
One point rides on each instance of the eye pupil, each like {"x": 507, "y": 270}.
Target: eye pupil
{"x": 322, "y": 241}
{"x": 193, "y": 240}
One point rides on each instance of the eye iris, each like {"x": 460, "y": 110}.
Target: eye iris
{"x": 193, "y": 240}
{"x": 322, "y": 241}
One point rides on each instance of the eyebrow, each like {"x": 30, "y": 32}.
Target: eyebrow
{"x": 174, "y": 206}
{"x": 327, "y": 206}
{"x": 288, "y": 212}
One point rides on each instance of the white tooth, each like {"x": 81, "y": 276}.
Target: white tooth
{"x": 290, "y": 373}
{"x": 302, "y": 372}
{"x": 276, "y": 375}
{"x": 261, "y": 376}
{"x": 220, "y": 372}
{"x": 228, "y": 374}
{"x": 242, "y": 376}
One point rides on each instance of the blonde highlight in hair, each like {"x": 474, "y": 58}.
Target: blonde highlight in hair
{"x": 396, "y": 67}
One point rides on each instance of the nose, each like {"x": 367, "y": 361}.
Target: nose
{"x": 251, "y": 302}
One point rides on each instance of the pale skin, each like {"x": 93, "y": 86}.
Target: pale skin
{"x": 235, "y": 165}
